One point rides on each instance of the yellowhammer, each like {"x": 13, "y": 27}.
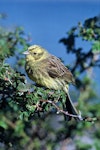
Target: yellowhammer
{"x": 47, "y": 70}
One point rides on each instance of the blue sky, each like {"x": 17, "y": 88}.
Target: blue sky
{"x": 48, "y": 20}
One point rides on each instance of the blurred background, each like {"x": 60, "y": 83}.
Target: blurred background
{"x": 63, "y": 27}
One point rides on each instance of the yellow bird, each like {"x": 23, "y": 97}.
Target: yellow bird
{"x": 47, "y": 70}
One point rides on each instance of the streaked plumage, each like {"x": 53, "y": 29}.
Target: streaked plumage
{"x": 48, "y": 71}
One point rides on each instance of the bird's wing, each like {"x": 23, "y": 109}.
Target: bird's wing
{"x": 56, "y": 69}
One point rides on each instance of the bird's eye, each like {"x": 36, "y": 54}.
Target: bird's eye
{"x": 34, "y": 53}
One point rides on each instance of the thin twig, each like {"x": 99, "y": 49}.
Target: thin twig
{"x": 59, "y": 110}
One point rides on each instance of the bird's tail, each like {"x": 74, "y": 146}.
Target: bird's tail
{"x": 71, "y": 108}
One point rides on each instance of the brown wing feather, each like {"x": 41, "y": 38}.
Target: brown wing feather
{"x": 56, "y": 69}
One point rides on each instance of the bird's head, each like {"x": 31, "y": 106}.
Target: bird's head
{"x": 35, "y": 53}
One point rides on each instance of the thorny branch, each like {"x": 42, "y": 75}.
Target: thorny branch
{"x": 59, "y": 110}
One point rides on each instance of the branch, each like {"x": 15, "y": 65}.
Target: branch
{"x": 59, "y": 110}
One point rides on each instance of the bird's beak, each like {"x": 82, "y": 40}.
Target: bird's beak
{"x": 26, "y": 53}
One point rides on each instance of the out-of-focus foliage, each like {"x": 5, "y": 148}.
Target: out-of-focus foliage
{"x": 83, "y": 69}
{"x": 27, "y": 120}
